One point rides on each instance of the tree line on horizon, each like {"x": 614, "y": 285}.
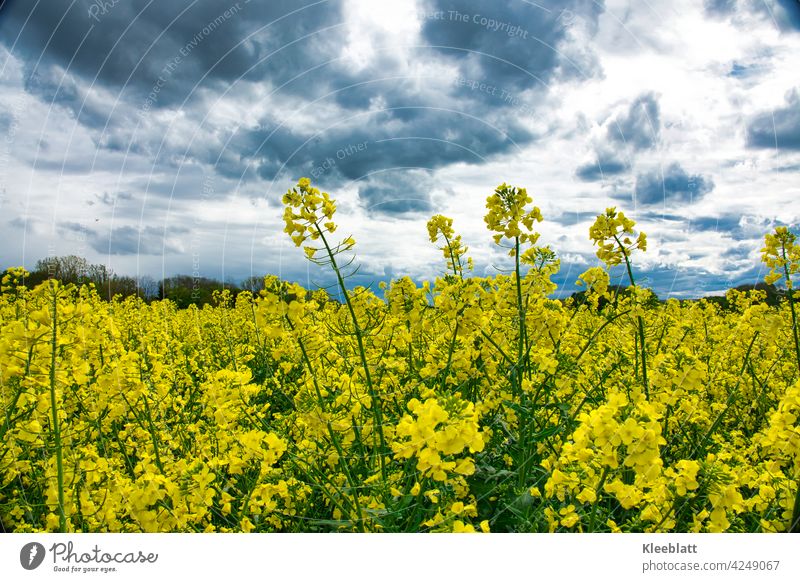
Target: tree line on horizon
{"x": 186, "y": 290}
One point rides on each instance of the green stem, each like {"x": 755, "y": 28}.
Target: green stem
{"x": 597, "y": 492}
{"x": 449, "y": 357}
{"x": 152, "y": 430}
{"x": 457, "y": 271}
{"x": 331, "y": 432}
{"x": 794, "y": 527}
{"x": 521, "y": 367}
{"x": 520, "y": 307}
{"x": 639, "y": 319}
{"x": 733, "y": 393}
{"x": 376, "y": 402}
{"x": 498, "y": 348}
{"x": 62, "y": 516}
{"x": 790, "y": 295}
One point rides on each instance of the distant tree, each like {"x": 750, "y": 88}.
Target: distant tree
{"x": 99, "y": 275}
{"x": 69, "y": 269}
{"x": 148, "y": 288}
{"x": 773, "y": 295}
{"x": 118, "y": 285}
{"x": 254, "y": 283}
{"x": 184, "y": 290}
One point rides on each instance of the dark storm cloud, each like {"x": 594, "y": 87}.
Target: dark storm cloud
{"x": 636, "y": 129}
{"x": 740, "y": 251}
{"x": 726, "y": 223}
{"x": 53, "y": 86}
{"x": 430, "y": 139}
{"x": 396, "y": 191}
{"x": 151, "y": 55}
{"x": 134, "y": 43}
{"x": 784, "y": 13}
{"x": 127, "y": 240}
{"x": 640, "y": 126}
{"x": 672, "y": 185}
{"x": 739, "y": 227}
{"x": 719, "y": 7}
{"x": 444, "y": 126}
{"x": 787, "y": 13}
{"x": 607, "y": 164}
{"x": 513, "y": 44}
{"x": 667, "y": 281}
{"x": 778, "y": 129}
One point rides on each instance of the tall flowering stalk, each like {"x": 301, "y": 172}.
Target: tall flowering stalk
{"x": 509, "y": 218}
{"x": 62, "y": 516}
{"x": 453, "y": 248}
{"x": 454, "y": 251}
{"x": 616, "y": 240}
{"x": 309, "y": 216}
{"x": 781, "y": 254}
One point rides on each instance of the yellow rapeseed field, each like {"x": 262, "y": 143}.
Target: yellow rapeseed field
{"x": 466, "y": 404}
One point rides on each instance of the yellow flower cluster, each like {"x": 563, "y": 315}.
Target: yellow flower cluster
{"x": 615, "y": 238}
{"x": 781, "y": 254}
{"x": 508, "y": 218}
{"x": 453, "y": 248}
{"x": 308, "y": 214}
{"x": 435, "y": 437}
{"x": 13, "y": 278}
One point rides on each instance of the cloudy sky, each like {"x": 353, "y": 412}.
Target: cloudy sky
{"x": 158, "y": 137}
